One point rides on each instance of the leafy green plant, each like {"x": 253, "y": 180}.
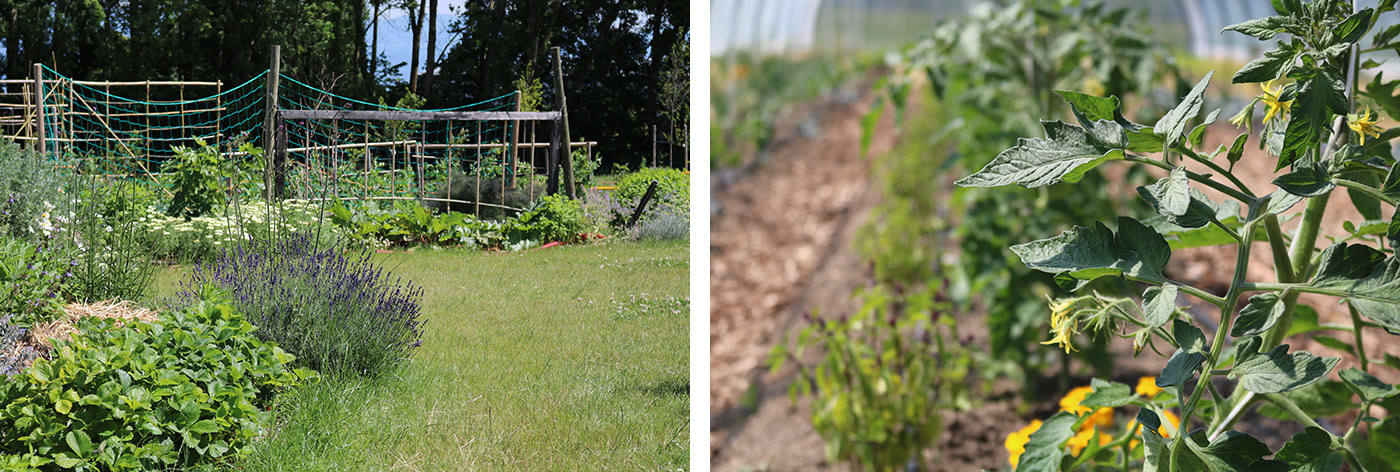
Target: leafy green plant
{"x": 672, "y": 186}
{"x": 1317, "y": 130}
{"x": 584, "y": 168}
{"x": 884, "y": 375}
{"x": 552, "y": 218}
{"x": 184, "y": 392}
{"x": 32, "y": 199}
{"x": 35, "y": 280}
{"x": 411, "y": 224}
{"x": 1007, "y": 58}
{"x": 196, "y": 182}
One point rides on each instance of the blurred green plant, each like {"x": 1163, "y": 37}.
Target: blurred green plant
{"x": 989, "y": 76}
{"x": 884, "y": 374}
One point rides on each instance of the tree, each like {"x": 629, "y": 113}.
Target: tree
{"x": 415, "y": 23}
{"x": 430, "y": 62}
{"x": 673, "y": 90}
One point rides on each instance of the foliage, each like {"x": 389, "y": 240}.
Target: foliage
{"x": 32, "y": 200}
{"x": 584, "y": 169}
{"x": 111, "y": 251}
{"x": 531, "y": 91}
{"x": 196, "y": 182}
{"x": 337, "y": 312}
{"x": 1085, "y": 423}
{"x": 200, "y": 176}
{"x": 613, "y": 56}
{"x": 552, "y": 218}
{"x": 408, "y": 223}
{"x": 672, "y": 186}
{"x": 202, "y": 238}
{"x": 1315, "y": 156}
{"x": 35, "y": 280}
{"x": 489, "y": 191}
{"x": 885, "y": 373}
{"x": 666, "y": 224}
{"x": 1009, "y": 58}
{"x": 185, "y": 392}
{"x": 17, "y": 355}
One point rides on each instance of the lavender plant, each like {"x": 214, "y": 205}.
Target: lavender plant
{"x": 337, "y": 312}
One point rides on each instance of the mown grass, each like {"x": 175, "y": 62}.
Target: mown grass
{"x": 573, "y": 358}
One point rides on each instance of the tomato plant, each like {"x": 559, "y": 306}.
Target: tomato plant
{"x": 1324, "y": 136}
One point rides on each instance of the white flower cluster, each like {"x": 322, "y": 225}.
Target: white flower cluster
{"x": 209, "y": 233}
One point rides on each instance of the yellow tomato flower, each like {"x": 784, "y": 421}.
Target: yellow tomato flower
{"x": 1080, "y": 440}
{"x": 1016, "y": 442}
{"x": 1271, "y": 101}
{"x": 1147, "y": 387}
{"x": 1071, "y": 400}
{"x": 1171, "y": 418}
{"x": 1062, "y": 324}
{"x": 1364, "y": 125}
{"x": 1102, "y": 417}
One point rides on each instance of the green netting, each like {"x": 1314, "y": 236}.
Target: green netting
{"x": 134, "y": 130}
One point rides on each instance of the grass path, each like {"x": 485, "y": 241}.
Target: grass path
{"x": 573, "y": 358}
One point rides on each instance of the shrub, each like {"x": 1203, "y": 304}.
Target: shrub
{"x": 32, "y": 200}
{"x": 465, "y": 187}
{"x": 672, "y": 186}
{"x": 584, "y": 169}
{"x": 668, "y": 223}
{"x": 185, "y": 392}
{"x": 338, "y": 313}
{"x": 552, "y": 218}
{"x": 196, "y": 183}
{"x": 34, "y": 279}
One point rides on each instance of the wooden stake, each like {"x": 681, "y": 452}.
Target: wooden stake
{"x": 39, "y": 108}
{"x": 270, "y": 109}
{"x": 567, "y": 159}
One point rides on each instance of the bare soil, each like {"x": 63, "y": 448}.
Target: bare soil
{"x": 782, "y": 228}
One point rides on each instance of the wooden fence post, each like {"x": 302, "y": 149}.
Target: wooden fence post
{"x": 272, "y": 181}
{"x": 39, "y": 109}
{"x": 566, "y": 160}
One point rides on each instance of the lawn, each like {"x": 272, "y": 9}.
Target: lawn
{"x": 573, "y": 358}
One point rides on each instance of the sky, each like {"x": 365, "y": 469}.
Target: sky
{"x": 396, "y": 39}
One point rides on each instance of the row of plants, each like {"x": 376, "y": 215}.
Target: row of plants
{"x": 907, "y": 335}
{"x": 887, "y": 370}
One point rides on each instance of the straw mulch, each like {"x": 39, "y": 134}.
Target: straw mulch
{"x": 42, "y": 335}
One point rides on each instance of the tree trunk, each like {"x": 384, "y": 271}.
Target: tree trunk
{"x": 416, "y": 21}
{"x": 374, "y": 45}
{"x": 430, "y": 61}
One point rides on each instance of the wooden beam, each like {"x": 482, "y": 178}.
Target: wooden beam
{"x": 419, "y": 115}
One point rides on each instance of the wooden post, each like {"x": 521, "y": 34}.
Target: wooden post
{"x": 567, "y": 159}
{"x": 39, "y": 108}
{"x": 514, "y": 142}
{"x": 278, "y": 162}
{"x": 653, "y": 145}
{"x": 273, "y": 182}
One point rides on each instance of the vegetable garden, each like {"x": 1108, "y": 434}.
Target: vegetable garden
{"x": 379, "y": 287}
{"x": 1089, "y": 252}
